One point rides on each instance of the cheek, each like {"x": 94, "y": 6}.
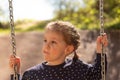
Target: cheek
{"x": 58, "y": 50}
{"x": 43, "y": 49}
{"x": 54, "y": 50}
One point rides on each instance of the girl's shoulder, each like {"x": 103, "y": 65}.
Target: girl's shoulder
{"x": 77, "y": 62}
{"x": 35, "y": 68}
{"x": 32, "y": 72}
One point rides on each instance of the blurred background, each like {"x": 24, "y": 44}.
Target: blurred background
{"x": 31, "y": 16}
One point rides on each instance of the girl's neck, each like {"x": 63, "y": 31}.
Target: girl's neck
{"x": 55, "y": 63}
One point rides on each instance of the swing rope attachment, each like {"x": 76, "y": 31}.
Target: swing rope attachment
{"x": 101, "y": 33}
{"x": 13, "y": 41}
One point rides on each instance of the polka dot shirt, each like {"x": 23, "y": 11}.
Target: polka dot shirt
{"x": 69, "y": 70}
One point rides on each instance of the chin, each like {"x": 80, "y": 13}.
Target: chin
{"x": 46, "y": 59}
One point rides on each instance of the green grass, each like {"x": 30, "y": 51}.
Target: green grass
{"x": 20, "y": 30}
{"x": 4, "y": 31}
{"x": 7, "y": 31}
{"x": 39, "y": 26}
{"x": 25, "y": 27}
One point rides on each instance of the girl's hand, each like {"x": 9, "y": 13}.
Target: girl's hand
{"x": 101, "y": 40}
{"x": 14, "y": 63}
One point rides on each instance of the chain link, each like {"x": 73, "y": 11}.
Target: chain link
{"x": 13, "y": 41}
{"x": 101, "y": 33}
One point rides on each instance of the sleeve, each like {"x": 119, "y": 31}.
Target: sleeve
{"x": 12, "y": 77}
{"x": 94, "y": 71}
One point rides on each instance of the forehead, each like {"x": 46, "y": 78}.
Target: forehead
{"x": 53, "y": 35}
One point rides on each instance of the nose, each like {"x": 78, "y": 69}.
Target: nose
{"x": 46, "y": 46}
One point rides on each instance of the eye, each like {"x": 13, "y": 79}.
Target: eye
{"x": 53, "y": 42}
{"x": 45, "y": 40}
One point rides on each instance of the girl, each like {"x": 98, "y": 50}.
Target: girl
{"x": 61, "y": 39}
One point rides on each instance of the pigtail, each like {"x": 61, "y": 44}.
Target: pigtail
{"x": 75, "y": 57}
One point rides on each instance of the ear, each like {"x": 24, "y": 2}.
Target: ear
{"x": 69, "y": 49}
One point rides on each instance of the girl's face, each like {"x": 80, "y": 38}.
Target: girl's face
{"x": 54, "y": 48}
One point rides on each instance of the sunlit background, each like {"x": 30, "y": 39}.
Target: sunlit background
{"x": 31, "y": 16}
{"x": 28, "y": 9}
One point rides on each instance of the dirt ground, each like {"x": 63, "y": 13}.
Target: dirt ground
{"x": 29, "y": 50}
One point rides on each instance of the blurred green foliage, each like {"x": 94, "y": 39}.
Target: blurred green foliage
{"x": 34, "y": 25}
{"x": 39, "y": 26}
{"x": 84, "y": 15}
{"x": 24, "y": 26}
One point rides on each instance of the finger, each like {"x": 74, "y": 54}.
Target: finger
{"x": 17, "y": 60}
{"x": 17, "y": 64}
{"x": 12, "y": 56}
{"x": 99, "y": 39}
{"x": 105, "y": 40}
{"x": 104, "y": 33}
{"x": 13, "y": 60}
{"x": 104, "y": 36}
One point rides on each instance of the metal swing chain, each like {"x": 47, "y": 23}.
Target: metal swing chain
{"x": 13, "y": 41}
{"x": 101, "y": 33}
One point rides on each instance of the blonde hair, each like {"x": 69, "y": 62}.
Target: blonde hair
{"x": 68, "y": 30}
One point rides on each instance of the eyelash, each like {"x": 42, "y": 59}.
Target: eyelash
{"x": 53, "y": 42}
{"x": 45, "y": 40}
